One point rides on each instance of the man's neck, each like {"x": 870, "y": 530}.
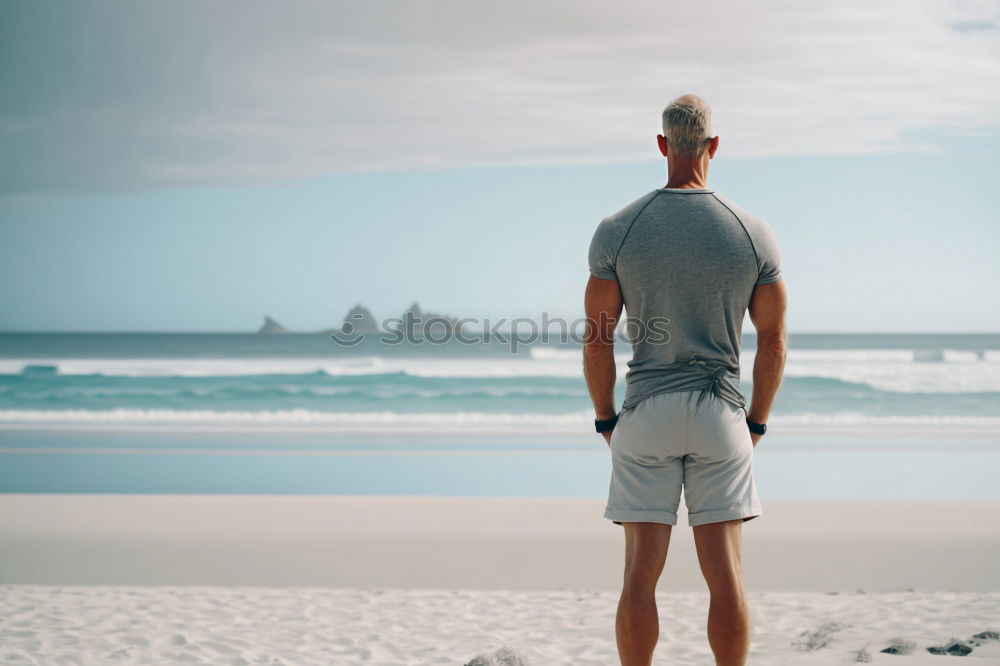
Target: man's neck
{"x": 686, "y": 186}
{"x": 687, "y": 174}
{"x": 688, "y": 182}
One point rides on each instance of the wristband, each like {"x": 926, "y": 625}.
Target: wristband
{"x": 757, "y": 428}
{"x": 607, "y": 425}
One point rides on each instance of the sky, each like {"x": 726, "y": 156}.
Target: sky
{"x": 195, "y": 166}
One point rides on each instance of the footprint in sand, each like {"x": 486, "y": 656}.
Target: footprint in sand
{"x": 954, "y": 647}
{"x": 900, "y": 646}
{"x": 811, "y": 641}
{"x": 502, "y": 657}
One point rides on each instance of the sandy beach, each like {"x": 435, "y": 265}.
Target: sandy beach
{"x": 439, "y": 580}
{"x": 342, "y": 626}
{"x": 476, "y": 543}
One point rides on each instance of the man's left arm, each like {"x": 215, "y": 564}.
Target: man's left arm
{"x": 603, "y": 305}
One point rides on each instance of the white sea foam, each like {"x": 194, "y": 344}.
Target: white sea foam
{"x": 824, "y": 355}
{"x": 886, "y": 370}
{"x": 387, "y": 421}
{"x": 978, "y": 377}
{"x": 960, "y": 356}
{"x": 334, "y": 421}
{"x": 848, "y": 355}
{"x": 228, "y": 367}
{"x": 549, "y": 354}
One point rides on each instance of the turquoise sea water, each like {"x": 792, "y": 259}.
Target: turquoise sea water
{"x": 864, "y": 416}
{"x": 554, "y": 465}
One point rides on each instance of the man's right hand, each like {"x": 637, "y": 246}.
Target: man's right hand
{"x": 754, "y": 437}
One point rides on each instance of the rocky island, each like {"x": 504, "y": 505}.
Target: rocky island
{"x": 424, "y": 323}
{"x": 271, "y": 327}
{"x": 359, "y": 319}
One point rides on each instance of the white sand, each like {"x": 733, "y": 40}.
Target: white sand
{"x": 340, "y": 626}
{"x": 165, "y": 579}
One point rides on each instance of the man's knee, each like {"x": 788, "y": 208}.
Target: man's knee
{"x": 640, "y": 578}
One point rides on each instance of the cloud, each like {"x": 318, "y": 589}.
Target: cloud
{"x": 138, "y": 95}
{"x": 972, "y": 26}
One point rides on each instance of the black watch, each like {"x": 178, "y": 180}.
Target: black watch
{"x": 757, "y": 428}
{"x": 607, "y": 425}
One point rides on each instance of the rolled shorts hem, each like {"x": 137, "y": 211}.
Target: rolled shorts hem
{"x": 618, "y": 516}
{"x": 706, "y": 517}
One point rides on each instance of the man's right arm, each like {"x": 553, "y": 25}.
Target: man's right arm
{"x": 767, "y": 312}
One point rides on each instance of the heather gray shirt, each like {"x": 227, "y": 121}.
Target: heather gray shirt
{"x": 687, "y": 262}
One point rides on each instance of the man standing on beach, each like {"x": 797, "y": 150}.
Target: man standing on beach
{"x": 686, "y": 264}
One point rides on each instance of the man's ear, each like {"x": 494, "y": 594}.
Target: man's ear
{"x": 713, "y": 145}
{"x": 661, "y": 141}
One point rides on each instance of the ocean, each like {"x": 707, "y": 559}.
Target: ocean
{"x": 888, "y": 416}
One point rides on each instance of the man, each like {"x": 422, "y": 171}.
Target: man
{"x": 686, "y": 264}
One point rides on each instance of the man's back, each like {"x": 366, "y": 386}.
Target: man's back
{"x": 688, "y": 259}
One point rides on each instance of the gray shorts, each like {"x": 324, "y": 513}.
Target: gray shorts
{"x": 665, "y": 443}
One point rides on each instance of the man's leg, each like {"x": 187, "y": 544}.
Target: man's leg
{"x": 637, "y": 626}
{"x": 719, "y": 554}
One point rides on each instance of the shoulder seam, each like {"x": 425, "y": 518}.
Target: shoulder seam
{"x": 629, "y": 229}
{"x": 753, "y": 247}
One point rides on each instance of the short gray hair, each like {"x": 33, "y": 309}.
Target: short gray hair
{"x": 687, "y": 125}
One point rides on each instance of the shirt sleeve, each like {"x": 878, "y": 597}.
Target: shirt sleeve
{"x": 603, "y": 252}
{"x": 768, "y": 256}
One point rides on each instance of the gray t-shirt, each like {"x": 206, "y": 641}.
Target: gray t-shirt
{"x": 687, "y": 262}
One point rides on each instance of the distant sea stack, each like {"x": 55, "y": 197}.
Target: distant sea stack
{"x": 360, "y": 320}
{"x": 430, "y": 324}
{"x": 270, "y": 326}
